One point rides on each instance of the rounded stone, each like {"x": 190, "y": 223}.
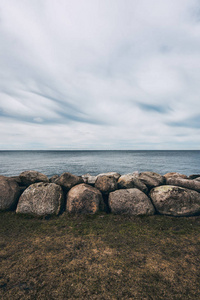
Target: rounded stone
{"x": 151, "y": 179}
{"x": 9, "y": 193}
{"x": 68, "y": 180}
{"x": 106, "y": 183}
{"x": 29, "y": 177}
{"x": 186, "y": 183}
{"x": 41, "y": 199}
{"x": 85, "y": 199}
{"x": 130, "y": 202}
{"x": 128, "y": 181}
{"x": 175, "y": 201}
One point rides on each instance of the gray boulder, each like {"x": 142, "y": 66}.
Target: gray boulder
{"x": 186, "y": 183}
{"x": 68, "y": 180}
{"x": 175, "y": 175}
{"x": 9, "y": 193}
{"x": 106, "y": 184}
{"x": 131, "y": 202}
{"x": 198, "y": 178}
{"x": 175, "y": 201}
{"x": 41, "y": 199}
{"x": 29, "y": 177}
{"x": 85, "y": 199}
{"x": 128, "y": 181}
{"x": 151, "y": 179}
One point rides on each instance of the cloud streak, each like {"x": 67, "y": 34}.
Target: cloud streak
{"x": 92, "y": 75}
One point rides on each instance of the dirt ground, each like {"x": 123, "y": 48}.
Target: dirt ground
{"x": 99, "y": 257}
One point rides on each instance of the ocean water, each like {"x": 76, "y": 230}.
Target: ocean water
{"x": 94, "y": 162}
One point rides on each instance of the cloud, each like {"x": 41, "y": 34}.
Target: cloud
{"x": 99, "y": 75}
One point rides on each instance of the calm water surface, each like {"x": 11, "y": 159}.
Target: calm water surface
{"x": 95, "y": 162}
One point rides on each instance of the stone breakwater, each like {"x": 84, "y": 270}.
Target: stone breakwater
{"x": 145, "y": 193}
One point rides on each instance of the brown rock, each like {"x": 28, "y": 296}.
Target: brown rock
{"x": 41, "y": 199}
{"x": 9, "y": 193}
{"x": 151, "y": 179}
{"x": 53, "y": 178}
{"x": 175, "y": 201}
{"x": 187, "y": 183}
{"x": 85, "y": 199}
{"x": 131, "y": 202}
{"x": 68, "y": 180}
{"x": 128, "y": 181}
{"x": 29, "y": 177}
{"x": 175, "y": 175}
{"x": 106, "y": 183}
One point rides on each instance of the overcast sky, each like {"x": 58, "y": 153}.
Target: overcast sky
{"x": 107, "y": 74}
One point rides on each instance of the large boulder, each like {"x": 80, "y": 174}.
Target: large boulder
{"x": 131, "y": 202}
{"x": 68, "y": 180}
{"x": 175, "y": 175}
{"x": 151, "y": 179}
{"x": 175, "y": 201}
{"x": 85, "y": 199}
{"x": 129, "y": 181}
{"x": 9, "y": 193}
{"x": 29, "y": 177}
{"x": 41, "y": 199}
{"x": 187, "y": 183}
{"x": 106, "y": 184}
{"x": 198, "y": 178}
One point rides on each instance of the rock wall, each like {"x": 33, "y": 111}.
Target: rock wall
{"x": 145, "y": 193}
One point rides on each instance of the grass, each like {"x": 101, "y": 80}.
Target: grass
{"x": 103, "y": 256}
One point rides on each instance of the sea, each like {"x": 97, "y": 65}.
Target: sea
{"x": 79, "y": 162}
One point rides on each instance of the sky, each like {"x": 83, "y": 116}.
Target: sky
{"x": 99, "y": 74}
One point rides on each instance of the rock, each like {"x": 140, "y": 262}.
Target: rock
{"x": 9, "y": 193}
{"x": 114, "y": 174}
{"x": 17, "y": 179}
{"x": 68, "y": 180}
{"x": 53, "y": 178}
{"x": 41, "y": 199}
{"x": 175, "y": 175}
{"x": 106, "y": 184}
{"x": 91, "y": 180}
{"x": 175, "y": 201}
{"x": 187, "y": 183}
{"x": 151, "y": 179}
{"x": 194, "y": 176}
{"x": 85, "y": 199}
{"x": 198, "y": 178}
{"x": 85, "y": 177}
{"x": 29, "y": 177}
{"x": 131, "y": 202}
{"x": 131, "y": 181}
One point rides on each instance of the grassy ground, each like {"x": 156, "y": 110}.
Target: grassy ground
{"x": 99, "y": 257}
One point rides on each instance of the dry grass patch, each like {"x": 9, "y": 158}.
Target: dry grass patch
{"x": 99, "y": 257}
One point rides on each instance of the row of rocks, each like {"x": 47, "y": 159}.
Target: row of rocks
{"x": 137, "y": 193}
